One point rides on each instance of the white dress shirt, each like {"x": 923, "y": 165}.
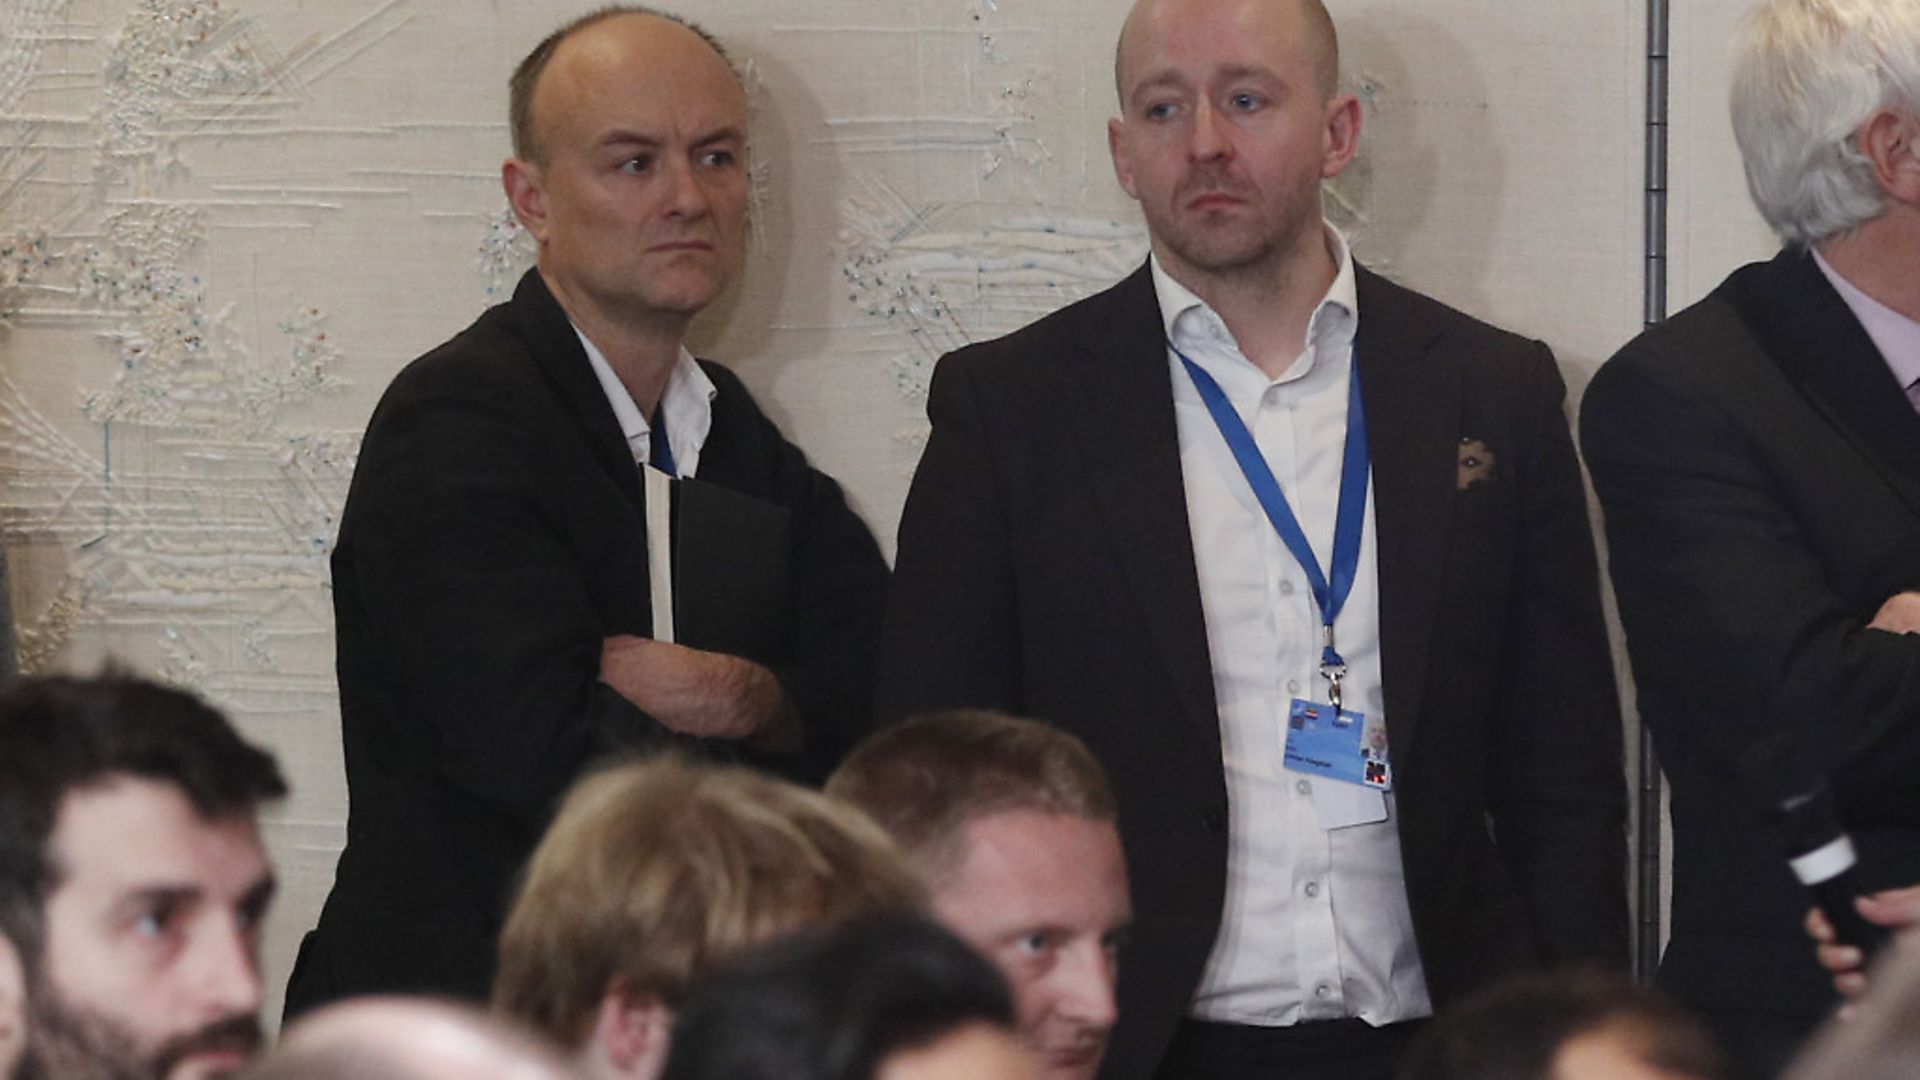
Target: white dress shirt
{"x": 687, "y": 403}
{"x": 1316, "y": 925}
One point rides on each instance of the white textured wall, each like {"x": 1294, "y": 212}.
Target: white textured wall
{"x": 224, "y": 226}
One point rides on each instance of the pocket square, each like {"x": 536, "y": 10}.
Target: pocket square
{"x": 1477, "y": 464}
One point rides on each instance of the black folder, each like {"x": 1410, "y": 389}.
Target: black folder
{"x": 732, "y": 583}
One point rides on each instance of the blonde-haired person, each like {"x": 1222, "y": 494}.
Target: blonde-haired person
{"x": 651, "y": 871}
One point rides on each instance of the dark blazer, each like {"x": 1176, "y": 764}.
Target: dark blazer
{"x": 1760, "y": 472}
{"x": 1045, "y": 567}
{"x": 494, "y": 534}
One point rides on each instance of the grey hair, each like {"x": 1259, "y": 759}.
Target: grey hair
{"x": 1808, "y": 74}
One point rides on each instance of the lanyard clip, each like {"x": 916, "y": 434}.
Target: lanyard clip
{"x": 1333, "y": 675}
{"x": 1332, "y": 667}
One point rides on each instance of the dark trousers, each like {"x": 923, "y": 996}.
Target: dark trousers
{"x": 1322, "y": 1050}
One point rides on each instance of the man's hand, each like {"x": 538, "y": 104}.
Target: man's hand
{"x": 705, "y": 694}
{"x": 1894, "y": 908}
{"x": 1899, "y": 615}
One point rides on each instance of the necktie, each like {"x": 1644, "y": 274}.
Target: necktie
{"x": 659, "y": 451}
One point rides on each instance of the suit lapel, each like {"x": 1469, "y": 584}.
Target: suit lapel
{"x": 540, "y": 322}
{"x": 1125, "y": 386}
{"x": 1413, "y": 423}
{"x": 1827, "y": 353}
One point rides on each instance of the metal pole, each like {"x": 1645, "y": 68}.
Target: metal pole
{"x": 1646, "y": 953}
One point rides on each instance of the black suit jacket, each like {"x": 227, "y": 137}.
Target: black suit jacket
{"x": 1045, "y": 567}
{"x": 494, "y": 534}
{"x": 1760, "y": 472}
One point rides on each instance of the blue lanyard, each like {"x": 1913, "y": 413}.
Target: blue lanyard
{"x": 1329, "y": 591}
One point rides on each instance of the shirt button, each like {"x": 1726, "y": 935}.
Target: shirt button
{"x": 1312, "y": 889}
{"x": 1293, "y": 686}
{"x": 1323, "y": 991}
{"x": 1286, "y": 588}
{"x": 1304, "y": 787}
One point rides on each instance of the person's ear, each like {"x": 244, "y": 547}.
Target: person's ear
{"x": 633, "y": 1031}
{"x": 525, "y": 183}
{"x": 1119, "y": 149}
{"x": 1890, "y": 140}
{"x": 1343, "y": 135}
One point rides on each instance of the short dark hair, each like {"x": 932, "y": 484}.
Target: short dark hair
{"x": 925, "y": 779}
{"x": 60, "y": 733}
{"x": 526, "y": 76}
{"x": 1516, "y": 1028}
{"x": 832, "y": 1004}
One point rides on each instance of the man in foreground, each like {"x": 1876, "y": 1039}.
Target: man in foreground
{"x": 493, "y": 582}
{"x": 1758, "y": 459}
{"x": 132, "y": 879}
{"x": 1227, "y": 518}
{"x": 1011, "y": 824}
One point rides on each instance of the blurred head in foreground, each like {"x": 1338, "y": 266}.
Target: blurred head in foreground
{"x": 407, "y": 1039}
{"x": 652, "y": 871}
{"x": 891, "y": 999}
{"x": 1565, "y": 1026}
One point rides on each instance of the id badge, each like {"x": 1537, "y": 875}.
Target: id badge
{"x": 1337, "y": 744}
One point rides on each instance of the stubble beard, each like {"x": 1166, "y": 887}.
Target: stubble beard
{"x": 71, "y": 1042}
{"x": 1229, "y": 253}
{"x": 1218, "y": 254}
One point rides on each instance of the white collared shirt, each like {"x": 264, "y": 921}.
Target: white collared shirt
{"x": 1316, "y": 925}
{"x": 687, "y": 403}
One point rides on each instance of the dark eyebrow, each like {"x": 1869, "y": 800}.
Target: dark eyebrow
{"x": 256, "y": 898}
{"x": 153, "y": 896}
